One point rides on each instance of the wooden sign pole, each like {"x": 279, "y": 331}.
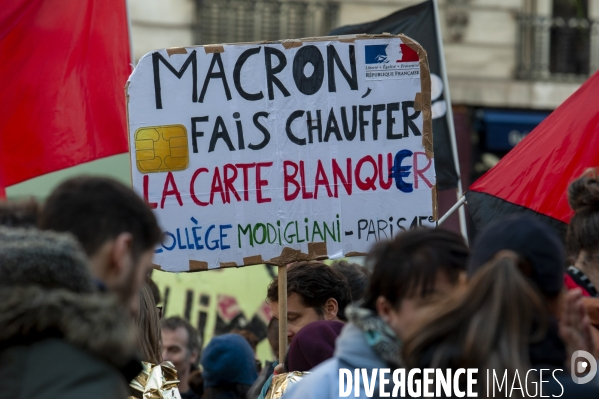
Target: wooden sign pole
{"x": 282, "y": 313}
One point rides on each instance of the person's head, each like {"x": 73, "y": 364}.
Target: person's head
{"x": 180, "y": 345}
{"x": 43, "y": 258}
{"x": 148, "y": 327}
{"x": 357, "y": 277}
{"x": 582, "y": 238}
{"x": 117, "y": 230}
{"x": 539, "y": 250}
{"x": 315, "y": 292}
{"x": 251, "y": 339}
{"x": 413, "y": 269}
{"x": 23, "y": 213}
{"x": 486, "y": 325}
{"x": 249, "y": 336}
{"x": 228, "y": 361}
{"x": 314, "y": 344}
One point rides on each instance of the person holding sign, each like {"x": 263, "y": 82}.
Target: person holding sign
{"x": 315, "y": 292}
{"x": 413, "y": 269}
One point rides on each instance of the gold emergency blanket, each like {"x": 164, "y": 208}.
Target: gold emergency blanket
{"x": 281, "y": 382}
{"x": 155, "y": 382}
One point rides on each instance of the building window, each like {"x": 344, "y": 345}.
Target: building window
{"x": 569, "y": 40}
{"x": 234, "y": 21}
{"x": 562, "y": 45}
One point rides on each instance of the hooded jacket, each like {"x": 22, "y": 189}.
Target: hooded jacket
{"x": 60, "y": 344}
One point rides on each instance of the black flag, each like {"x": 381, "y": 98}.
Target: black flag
{"x": 418, "y": 22}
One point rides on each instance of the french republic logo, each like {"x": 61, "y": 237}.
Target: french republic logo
{"x": 391, "y": 61}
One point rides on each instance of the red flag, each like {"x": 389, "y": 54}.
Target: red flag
{"x": 63, "y": 71}
{"x": 535, "y": 175}
{"x": 2, "y": 186}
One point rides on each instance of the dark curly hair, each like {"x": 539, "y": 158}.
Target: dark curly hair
{"x": 315, "y": 283}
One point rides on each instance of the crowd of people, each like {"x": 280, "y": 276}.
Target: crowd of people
{"x": 79, "y": 315}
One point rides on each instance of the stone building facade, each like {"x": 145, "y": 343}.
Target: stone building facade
{"x": 486, "y": 41}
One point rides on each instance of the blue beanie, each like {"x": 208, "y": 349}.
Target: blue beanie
{"x": 228, "y": 359}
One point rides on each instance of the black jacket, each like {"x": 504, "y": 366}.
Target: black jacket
{"x": 60, "y": 344}
{"x": 548, "y": 354}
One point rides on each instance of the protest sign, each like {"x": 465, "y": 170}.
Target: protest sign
{"x": 282, "y": 151}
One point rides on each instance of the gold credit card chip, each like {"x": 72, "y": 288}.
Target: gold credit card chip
{"x": 161, "y": 148}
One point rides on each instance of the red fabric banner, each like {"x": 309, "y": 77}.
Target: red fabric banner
{"x": 63, "y": 71}
{"x": 537, "y": 172}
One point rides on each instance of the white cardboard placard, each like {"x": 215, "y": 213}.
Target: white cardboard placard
{"x": 272, "y": 152}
